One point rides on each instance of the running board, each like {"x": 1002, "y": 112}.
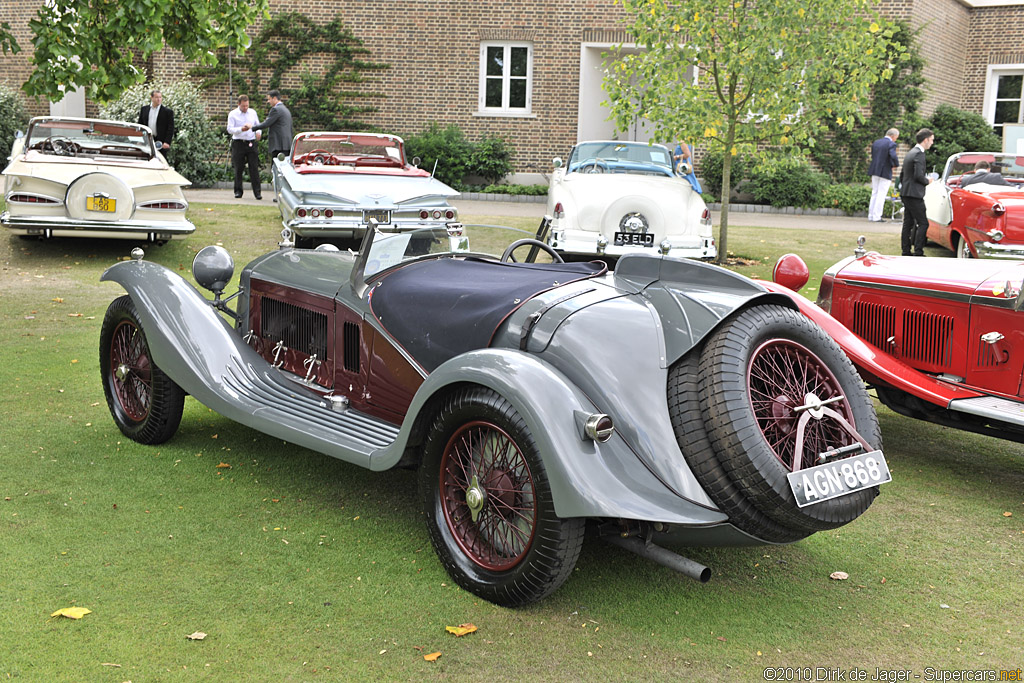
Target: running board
{"x": 303, "y": 417}
{"x": 991, "y": 408}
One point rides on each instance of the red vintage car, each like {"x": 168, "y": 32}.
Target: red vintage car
{"x": 944, "y": 345}
{"x": 973, "y": 216}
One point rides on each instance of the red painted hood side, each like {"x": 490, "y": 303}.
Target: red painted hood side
{"x": 874, "y": 366}
{"x": 984, "y": 277}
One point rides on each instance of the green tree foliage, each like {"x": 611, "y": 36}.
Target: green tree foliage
{"x": 13, "y": 117}
{"x": 7, "y": 41}
{"x": 197, "y": 141}
{"x": 958, "y": 131}
{"x": 894, "y": 104}
{"x": 331, "y": 99}
{"x": 769, "y": 72}
{"x": 711, "y": 171}
{"x": 98, "y": 44}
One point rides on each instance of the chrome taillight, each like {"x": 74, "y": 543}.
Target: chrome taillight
{"x": 164, "y": 205}
{"x": 998, "y": 209}
{"x": 301, "y": 213}
{"x": 559, "y": 210}
{"x": 436, "y": 214}
{"x": 328, "y": 213}
{"x": 315, "y": 213}
{"x": 424, "y": 215}
{"x": 449, "y": 214}
{"x": 23, "y": 198}
{"x": 705, "y": 215}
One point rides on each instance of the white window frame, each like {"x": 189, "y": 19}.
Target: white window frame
{"x": 992, "y": 74}
{"x": 505, "y": 109}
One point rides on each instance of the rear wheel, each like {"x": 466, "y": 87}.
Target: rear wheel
{"x": 753, "y": 375}
{"x": 963, "y": 248}
{"x": 489, "y": 505}
{"x": 145, "y": 403}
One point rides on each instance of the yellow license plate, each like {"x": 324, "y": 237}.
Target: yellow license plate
{"x": 101, "y": 204}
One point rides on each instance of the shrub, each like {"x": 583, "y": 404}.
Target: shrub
{"x": 13, "y": 118}
{"x": 197, "y": 143}
{"x": 710, "y": 172}
{"x": 535, "y": 190}
{"x": 457, "y": 157}
{"x": 788, "y": 181}
{"x": 957, "y": 131}
{"x": 847, "y": 197}
{"x": 447, "y": 147}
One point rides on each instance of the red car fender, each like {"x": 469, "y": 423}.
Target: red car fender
{"x": 874, "y": 366}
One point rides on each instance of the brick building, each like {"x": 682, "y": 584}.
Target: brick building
{"x": 530, "y": 71}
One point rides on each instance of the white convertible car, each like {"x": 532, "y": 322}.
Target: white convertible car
{"x": 72, "y": 177}
{"x": 614, "y": 198}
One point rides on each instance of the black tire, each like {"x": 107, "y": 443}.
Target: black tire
{"x": 801, "y": 358}
{"x": 684, "y": 407}
{"x": 303, "y": 242}
{"x": 145, "y": 403}
{"x": 510, "y": 560}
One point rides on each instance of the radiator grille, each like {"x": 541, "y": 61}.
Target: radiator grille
{"x": 350, "y": 337}
{"x": 300, "y": 329}
{"x": 928, "y": 338}
{"x": 874, "y": 323}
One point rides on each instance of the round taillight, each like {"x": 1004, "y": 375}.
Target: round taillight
{"x": 424, "y": 215}
{"x": 449, "y": 214}
{"x": 328, "y": 213}
{"x": 301, "y": 213}
{"x": 790, "y": 272}
{"x": 315, "y": 213}
{"x": 436, "y": 214}
{"x": 599, "y": 427}
{"x": 998, "y": 209}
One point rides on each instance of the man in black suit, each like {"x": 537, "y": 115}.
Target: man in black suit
{"x": 160, "y": 119}
{"x": 983, "y": 174}
{"x": 913, "y": 182}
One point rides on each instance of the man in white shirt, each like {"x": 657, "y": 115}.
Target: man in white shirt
{"x": 243, "y": 146}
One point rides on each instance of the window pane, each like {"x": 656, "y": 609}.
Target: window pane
{"x": 495, "y": 61}
{"x": 520, "y": 58}
{"x": 493, "y": 95}
{"x": 517, "y": 93}
{"x": 1007, "y": 112}
{"x": 1009, "y": 87}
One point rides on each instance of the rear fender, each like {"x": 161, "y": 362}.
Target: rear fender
{"x": 588, "y": 479}
{"x": 874, "y": 366}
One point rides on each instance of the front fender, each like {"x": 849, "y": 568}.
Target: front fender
{"x": 874, "y": 366}
{"x": 588, "y": 479}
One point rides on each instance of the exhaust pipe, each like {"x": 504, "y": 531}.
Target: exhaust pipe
{"x": 664, "y": 557}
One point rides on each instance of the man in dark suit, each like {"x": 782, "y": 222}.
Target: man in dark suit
{"x": 279, "y": 121}
{"x": 883, "y": 162}
{"x": 983, "y": 174}
{"x": 913, "y": 182}
{"x": 160, "y": 119}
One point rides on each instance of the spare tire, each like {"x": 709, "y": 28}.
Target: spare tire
{"x": 753, "y": 372}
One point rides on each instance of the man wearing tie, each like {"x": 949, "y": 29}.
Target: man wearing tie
{"x": 160, "y": 120}
{"x": 913, "y": 182}
{"x": 243, "y": 146}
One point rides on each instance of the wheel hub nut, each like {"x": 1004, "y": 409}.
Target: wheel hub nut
{"x": 475, "y": 497}
{"x": 121, "y": 372}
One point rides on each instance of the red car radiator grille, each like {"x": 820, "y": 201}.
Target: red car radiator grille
{"x": 874, "y": 323}
{"x": 927, "y": 338}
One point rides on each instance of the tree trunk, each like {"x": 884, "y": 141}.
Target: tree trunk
{"x": 723, "y": 228}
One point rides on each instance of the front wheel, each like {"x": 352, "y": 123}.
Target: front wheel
{"x": 963, "y": 248}
{"x": 489, "y": 505}
{"x": 145, "y": 403}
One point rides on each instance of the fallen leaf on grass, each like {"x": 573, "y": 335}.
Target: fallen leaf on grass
{"x": 461, "y": 629}
{"x": 72, "y": 612}
{"x": 110, "y": 664}
{"x": 432, "y": 657}
{"x": 839, "y": 576}
{"x": 1007, "y": 514}
{"x": 74, "y": 315}
{"x": 56, "y": 299}
{"x": 223, "y": 465}
{"x": 198, "y": 635}
{"x": 722, "y": 639}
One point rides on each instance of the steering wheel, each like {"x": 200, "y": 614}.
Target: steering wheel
{"x": 318, "y": 156}
{"x": 507, "y": 257}
{"x": 593, "y": 166}
{"x": 61, "y": 146}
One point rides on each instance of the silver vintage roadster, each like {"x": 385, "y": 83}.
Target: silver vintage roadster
{"x": 667, "y": 403}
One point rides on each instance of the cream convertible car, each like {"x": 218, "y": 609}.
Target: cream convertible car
{"x": 92, "y": 178}
{"x": 612, "y": 198}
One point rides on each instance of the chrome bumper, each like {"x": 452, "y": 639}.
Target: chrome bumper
{"x": 153, "y": 231}
{"x": 997, "y": 250}
{"x": 591, "y": 247}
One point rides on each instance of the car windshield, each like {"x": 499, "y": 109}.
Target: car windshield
{"x": 620, "y": 157}
{"x": 75, "y": 138}
{"x": 389, "y": 249}
{"x": 334, "y": 148}
{"x": 1009, "y": 165}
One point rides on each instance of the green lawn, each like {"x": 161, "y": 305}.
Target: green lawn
{"x": 300, "y": 567}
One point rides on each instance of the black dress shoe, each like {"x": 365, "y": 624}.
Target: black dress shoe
{"x": 238, "y": 196}
{"x": 259, "y": 196}
{"x": 275, "y": 200}
{"x": 919, "y": 254}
